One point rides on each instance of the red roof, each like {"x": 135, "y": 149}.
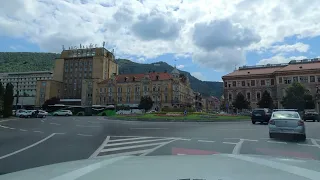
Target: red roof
{"x": 138, "y": 77}
{"x": 257, "y": 71}
{"x": 296, "y": 67}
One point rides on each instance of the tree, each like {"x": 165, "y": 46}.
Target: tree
{"x": 51, "y": 101}
{"x": 8, "y": 100}
{"x": 241, "y": 102}
{"x": 309, "y": 101}
{"x": 1, "y": 98}
{"x": 145, "y": 103}
{"x": 295, "y": 97}
{"x": 266, "y": 101}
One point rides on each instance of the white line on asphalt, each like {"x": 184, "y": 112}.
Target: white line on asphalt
{"x": 253, "y": 140}
{"x": 157, "y": 147}
{"x": 55, "y": 124}
{"x": 277, "y": 142}
{"x": 130, "y": 153}
{"x": 206, "y": 141}
{"x": 229, "y": 143}
{"x": 9, "y": 120}
{"x": 6, "y": 127}
{"x": 95, "y": 154}
{"x": 23, "y": 130}
{"x": 42, "y": 121}
{"x": 180, "y": 154}
{"x": 60, "y": 133}
{"x": 129, "y": 139}
{"x": 135, "y": 142}
{"x": 314, "y": 142}
{"x": 307, "y": 145}
{"x": 149, "y": 128}
{"x": 182, "y": 139}
{"x": 88, "y": 126}
{"x": 130, "y": 147}
{"x": 93, "y": 122}
{"x": 25, "y": 148}
{"x": 84, "y": 135}
{"x": 38, "y": 131}
{"x": 237, "y": 147}
{"x": 226, "y": 129}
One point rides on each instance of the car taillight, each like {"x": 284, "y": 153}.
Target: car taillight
{"x": 272, "y": 122}
{"x": 300, "y": 123}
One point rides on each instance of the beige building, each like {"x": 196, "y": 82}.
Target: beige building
{"x": 77, "y": 69}
{"x": 165, "y": 89}
{"x": 252, "y": 81}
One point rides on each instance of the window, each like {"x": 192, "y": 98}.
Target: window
{"x": 230, "y": 97}
{"x": 263, "y": 82}
{"x": 248, "y": 95}
{"x": 145, "y": 88}
{"x": 268, "y": 82}
{"x": 165, "y": 98}
{"x": 128, "y": 99}
{"x": 243, "y": 83}
{"x": 253, "y": 82}
{"x": 272, "y": 82}
{"x": 280, "y": 80}
{"x": 234, "y": 83}
{"x": 303, "y": 79}
{"x": 119, "y": 89}
{"x": 287, "y": 80}
{"x": 312, "y": 79}
{"x": 295, "y": 79}
{"x": 225, "y": 84}
{"x": 258, "y": 95}
{"x": 318, "y": 77}
{"x": 154, "y": 88}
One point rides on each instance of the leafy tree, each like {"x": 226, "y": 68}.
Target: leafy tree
{"x": 308, "y": 102}
{"x": 1, "y": 98}
{"x": 266, "y": 100}
{"x": 51, "y": 101}
{"x": 145, "y": 103}
{"x": 295, "y": 97}
{"x": 241, "y": 102}
{"x": 8, "y": 100}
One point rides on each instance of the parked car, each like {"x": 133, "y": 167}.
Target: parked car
{"x": 286, "y": 122}
{"x": 63, "y": 113}
{"x": 25, "y": 113}
{"x": 261, "y": 115}
{"x": 311, "y": 114}
{"x": 42, "y": 114}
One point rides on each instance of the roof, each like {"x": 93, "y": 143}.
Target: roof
{"x": 257, "y": 71}
{"x": 138, "y": 77}
{"x": 304, "y": 66}
{"x": 175, "y": 71}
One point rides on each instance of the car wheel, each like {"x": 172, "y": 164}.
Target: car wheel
{"x": 314, "y": 120}
{"x": 67, "y": 114}
{"x": 20, "y": 116}
{"x": 271, "y": 135}
{"x": 303, "y": 137}
{"x": 253, "y": 122}
{"x": 29, "y": 116}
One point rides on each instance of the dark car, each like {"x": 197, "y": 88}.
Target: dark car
{"x": 261, "y": 115}
{"x": 310, "y": 114}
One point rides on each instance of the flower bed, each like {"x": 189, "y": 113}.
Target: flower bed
{"x": 170, "y": 114}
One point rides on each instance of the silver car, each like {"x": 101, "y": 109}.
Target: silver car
{"x": 286, "y": 122}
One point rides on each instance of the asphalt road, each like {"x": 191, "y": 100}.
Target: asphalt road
{"x": 28, "y": 143}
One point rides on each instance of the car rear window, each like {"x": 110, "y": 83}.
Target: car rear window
{"x": 258, "y": 111}
{"x": 285, "y": 115}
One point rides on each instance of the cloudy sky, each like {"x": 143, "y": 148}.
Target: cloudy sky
{"x": 208, "y": 38}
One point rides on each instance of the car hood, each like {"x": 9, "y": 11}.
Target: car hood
{"x": 202, "y": 167}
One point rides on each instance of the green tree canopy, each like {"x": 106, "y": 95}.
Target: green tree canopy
{"x": 8, "y": 100}
{"x": 295, "y": 97}
{"x": 241, "y": 102}
{"x": 266, "y": 100}
{"x": 309, "y": 101}
{"x": 145, "y": 103}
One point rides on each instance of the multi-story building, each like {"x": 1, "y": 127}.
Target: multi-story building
{"x": 198, "y": 103}
{"x": 212, "y": 103}
{"x": 25, "y": 84}
{"x": 76, "y": 74}
{"x": 252, "y": 81}
{"x": 165, "y": 89}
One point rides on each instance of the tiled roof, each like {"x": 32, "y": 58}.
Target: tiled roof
{"x": 296, "y": 67}
{"x": 256, "y": 71}
{"x": 138, "y": 77}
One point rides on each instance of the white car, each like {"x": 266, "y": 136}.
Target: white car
{"x": 25, "y": 113}
{"x": 63, "y": 113}
{"x": 42, "y": 114}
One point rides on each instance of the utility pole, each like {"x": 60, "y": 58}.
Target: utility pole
{"x": 17, "y": 99}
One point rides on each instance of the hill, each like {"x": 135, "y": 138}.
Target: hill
{"x": 30, "y": 61}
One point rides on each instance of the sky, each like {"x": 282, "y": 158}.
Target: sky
{"x": 208, "y": 38}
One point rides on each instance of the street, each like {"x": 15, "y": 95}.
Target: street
{"x": 28, "y": 143}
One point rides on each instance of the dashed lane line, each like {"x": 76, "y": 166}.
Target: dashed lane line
{"x": 206, "y": 141}
{"x": 88, "y": 126}
{"x": 277, "y": 142}
{"x": 6, "y": 127}
{"x": 87, "y": 135}
{"x": 55, "y": 124}
{"x": 149, "y": 128}
{"x": 38, "y": 131}
{"x": 23, "y": 130}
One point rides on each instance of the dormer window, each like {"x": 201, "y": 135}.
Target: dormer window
{"x": 125, "y": 79}
{"x": 157, "y": 77}
{"x": 133, "y": 78}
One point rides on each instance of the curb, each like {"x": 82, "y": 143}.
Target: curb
{"x": 172, "y": 120}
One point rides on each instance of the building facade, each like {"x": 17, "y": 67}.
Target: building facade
{"x": 171, "y": 90}
{"x": 25, "y": 85}
{"x": 252, "y": 81}
{"x": 76, "y": 74}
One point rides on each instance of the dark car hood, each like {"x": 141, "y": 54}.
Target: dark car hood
{"x": 211, "y": 167}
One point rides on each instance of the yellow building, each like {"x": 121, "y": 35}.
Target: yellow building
{"x": 165, "y": 89}
{"x": 252, "y": 81}
{"x": 78, "y": 68}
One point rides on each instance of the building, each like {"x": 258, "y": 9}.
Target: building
{"x": 212, "y": 103}
{"x": 25, "y": 85}
{"x": 252, "y": 81}
{"x": 171, "y": 90}
{"x": 198, "y": 103}
{"x": 76, "y": 75}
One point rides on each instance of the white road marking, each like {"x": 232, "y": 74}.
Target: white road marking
{"x": 229, "y": 143}
{"x": 149, "y": 128}
{"x": 253, "y": 140}
{"x": 129, "y": 139}
{"x": 180, "y": 154}
{"x": 84, "y": 135}
{"x": 226, "y": 129}
{"x": 6, "y": 127}
{"x": 23, "y": 130}
{"x": 206, "y": 141}
{"x": 182, "y": 139}
{"x": 88, "y": 126}
{"x": 42, "y": 121}
{"x": 95, "y": 154}
{"x": 155, "y": 148}
{"x": 55, "y": 124}
{"x": 9, "y": 120}
{"x": 130, "y": 147}
{"x": 38, "y": 131}
{"x": 130, "y": 153}
{"x": 277, "y": 142}
{"x": 237, "y": 147}
{"x": 307, "y": 145}
{"x": 314, "y": 142}
{"x": 134, "y": 142}
{"x": 93, "y": 122}
{"x": 25, "y": 148}
{"x": 60, "y": 133}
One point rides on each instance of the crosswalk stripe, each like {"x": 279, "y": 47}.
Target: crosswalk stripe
{"x": 130, "y": 147}
{"x": 129, "y": 139}
{"x": 129, "y": 153}
{"x": 135, "y": 142}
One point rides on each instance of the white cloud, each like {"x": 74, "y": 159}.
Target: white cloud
{"x": 181, "y": 66}
{"x": 298, "y": 47}
{"x": 199, "y": 76}
{"x": 208, "y": 31}
{"x": 280, "y": 59}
